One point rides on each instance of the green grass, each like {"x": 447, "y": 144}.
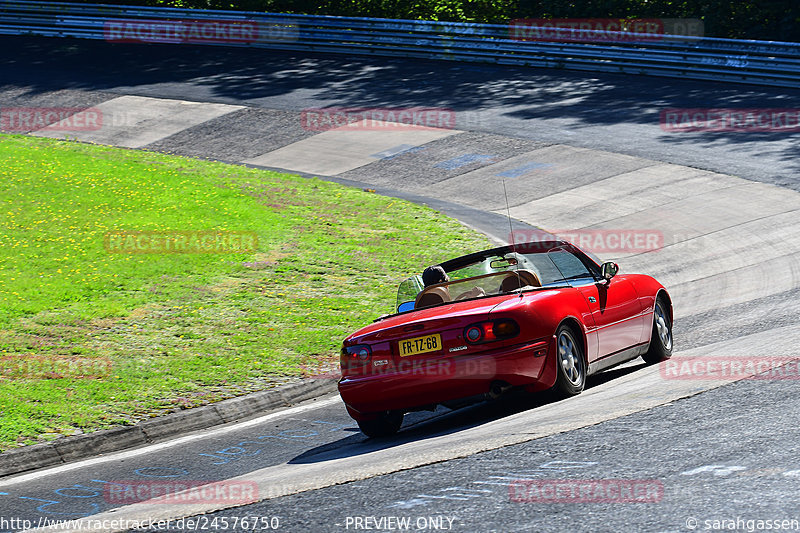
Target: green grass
{"x": 181, "y": 330}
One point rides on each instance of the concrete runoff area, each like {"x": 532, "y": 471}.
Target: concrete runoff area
{"x": 25, "y": 110}
{"x": 533, "y": 175}
{"x": 136, "y": 121}
{"x": 617, "y": 196}
{"x": 236, "y": 136}
{"x": 742, "y": 285}
{"x": 720, "y": 233}
{"x": 333, "y": 152}
{"x": 440, "y": 160}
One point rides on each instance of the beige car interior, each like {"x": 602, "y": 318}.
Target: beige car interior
{"x": 440, "y": 293}
{"x": 518, "y": 279}
{"x": 433, "y": 295}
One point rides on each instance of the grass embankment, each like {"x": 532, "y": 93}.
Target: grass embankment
{"x": 91, "y": 339}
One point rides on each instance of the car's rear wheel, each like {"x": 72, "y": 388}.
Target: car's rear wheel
{"x": 571, "y": 371}
{"x": 660, "y": 348}
{"x": 385, "y": 425}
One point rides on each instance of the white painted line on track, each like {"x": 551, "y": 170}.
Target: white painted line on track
{"x": 201, "y": 434}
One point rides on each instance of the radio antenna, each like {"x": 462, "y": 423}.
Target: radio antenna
{"x": 511, "y": 234}
{"x": 508, "y": 214}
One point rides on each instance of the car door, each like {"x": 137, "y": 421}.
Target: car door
{"x": 614, "y": 304}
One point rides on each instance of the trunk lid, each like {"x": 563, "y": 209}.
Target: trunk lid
{"x": 415, "y": 341}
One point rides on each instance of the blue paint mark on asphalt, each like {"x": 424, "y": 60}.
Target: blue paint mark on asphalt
{"x": 524, "y": 169}
{"x": 234, "y": 453}
{"x": 464, "y": 160}
{"x": 160, "y": 472}
{"x": 397, "y": 150}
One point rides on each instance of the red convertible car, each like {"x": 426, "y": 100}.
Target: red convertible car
{"x": 541, "y": 315}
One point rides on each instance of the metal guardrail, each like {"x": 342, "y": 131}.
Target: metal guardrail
{"x": 756, "y": 62}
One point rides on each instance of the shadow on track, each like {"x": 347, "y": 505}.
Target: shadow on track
{"x": 244, "y": 75}
{"x": 572, "y": 100}
{"x": 46, "y": 64}
{"x": 421, "y": 426}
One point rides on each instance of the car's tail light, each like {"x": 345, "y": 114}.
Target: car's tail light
{"x": 355, "y": 356}
{"x": 491, "y": 330}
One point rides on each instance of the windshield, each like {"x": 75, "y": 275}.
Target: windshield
{"x": 501, "y": 271}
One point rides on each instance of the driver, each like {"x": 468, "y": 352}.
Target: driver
{"x": 436, "y": 274}
{"x": 433, "y": 275}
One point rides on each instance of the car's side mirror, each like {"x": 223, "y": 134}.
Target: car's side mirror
{"x": 609, "y": 270}
{"x": 405, "y": 306}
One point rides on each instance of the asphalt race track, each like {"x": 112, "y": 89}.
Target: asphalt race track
{"x": 578, "y": 152}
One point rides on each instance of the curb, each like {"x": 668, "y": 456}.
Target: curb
{"x": 69, "y": 449}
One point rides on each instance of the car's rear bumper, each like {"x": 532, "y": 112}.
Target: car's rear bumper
{"x": 435, "y": 381}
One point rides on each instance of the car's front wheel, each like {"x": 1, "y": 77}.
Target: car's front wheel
{"x": 660, "y": 348}
{"x": 386, "y": 425}
{"x": 571, "y": 371}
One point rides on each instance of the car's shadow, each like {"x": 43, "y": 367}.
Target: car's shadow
{"x": 427, "y": 425}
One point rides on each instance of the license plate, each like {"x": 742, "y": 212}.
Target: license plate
{"x": 417, "y": 345}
